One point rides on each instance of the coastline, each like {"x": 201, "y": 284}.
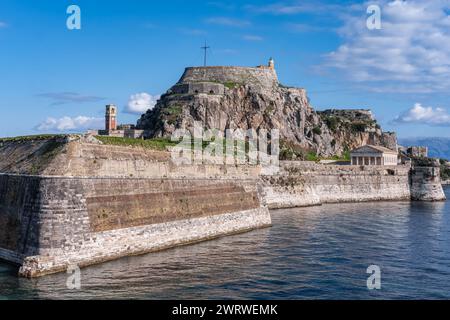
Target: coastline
{"x": 93, "y": 203}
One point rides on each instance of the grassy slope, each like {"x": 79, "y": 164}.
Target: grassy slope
{"x": 30, "y": 154}
{"x": 155, "y": 144}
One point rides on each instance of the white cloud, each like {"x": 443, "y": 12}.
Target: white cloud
{"x": 192, "y": 32}
{"x": 60, "y": 98}
{"x": 139, "y": 103}
{"x": 71, "y": 124}
{"x": 250, "y": 37}
{"x": 424, "y": 115}
{"x": 229, "y": 22}
{"x": 222, "y": 5}
{"x": 411, "y": 52}
{"x": 302, "y": 27}
{"x": 298, "y": 7}
{"x": 228, "y": 51}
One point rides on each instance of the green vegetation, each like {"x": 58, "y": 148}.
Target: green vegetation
{"x": 154, "y": 144}
{"x": 227, "y": 84}
{"x": 269, "y": 110}
{"x": 345, "y": 157}
{"x": 32, "y": 138}
{"x": 317, "y": 131}
{"x": 44, "y": 155}
{"x": 425, "y": 162}
{"x": 445, "y": 170}
{"x": 354, "y": 125}
{"x": 358, "y": 127}
{"x": 231, "y": 85}
{"x": 292, "y": 151}
{"x": 171, "y": 113}
{"x": 312, "y": 156}
{"x": 284, "y": 86}
{"x": 332, "y": 123}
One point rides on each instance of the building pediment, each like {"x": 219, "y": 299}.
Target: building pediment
{"x": 366, "y": 149}
{"x": 373, "y": 149}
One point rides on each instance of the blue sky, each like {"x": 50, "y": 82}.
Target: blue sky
{"x": 128, "y": 52}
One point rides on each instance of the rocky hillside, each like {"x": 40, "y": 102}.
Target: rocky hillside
{"x": 221, "y": 103}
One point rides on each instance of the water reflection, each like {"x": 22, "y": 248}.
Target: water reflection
{"x": 314, "y": 252}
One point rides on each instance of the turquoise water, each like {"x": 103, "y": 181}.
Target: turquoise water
{"x": 309, "y": 253}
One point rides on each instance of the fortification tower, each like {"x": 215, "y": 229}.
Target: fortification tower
{"x": 271, "y": 63}
{"x": 111, "y": 117}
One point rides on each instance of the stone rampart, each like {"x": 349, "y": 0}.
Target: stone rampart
{"x": 95, "y": 203}
{"x": 306, "y": 183}
{"x": 426, "y": 184}
{"x": 82, "y": 221}
{"x": 263, "y": 77}
{"x": 92, "y": 203}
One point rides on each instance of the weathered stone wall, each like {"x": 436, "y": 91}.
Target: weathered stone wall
{"x": 306, "y": 183}
{"x": 81, "y": 159}
{"x": 264, "y": 77}
{"x": 426, "y": 184}
{"x": 84, "y": 221}
{"x": 19, "y": 202}
{"x": 197, "y": 88}
{"x": 94, "y": 203}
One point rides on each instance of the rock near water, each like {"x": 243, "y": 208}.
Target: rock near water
{"x": 252, "y": 98}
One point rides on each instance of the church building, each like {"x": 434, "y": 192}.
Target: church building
{"x": 370, "y": 155}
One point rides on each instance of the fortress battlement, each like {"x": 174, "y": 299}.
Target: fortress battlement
{"x": 262, "y": 76}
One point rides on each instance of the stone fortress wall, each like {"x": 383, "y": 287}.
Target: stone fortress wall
{"x": 426, "y": 184}
{"x": 307, "y": 183}
{"x": 94, "y": 203}
{"x": 258, "y": 76}
{"x": 198, "y": 87}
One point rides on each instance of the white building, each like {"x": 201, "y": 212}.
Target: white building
{"x": 369, "y": 155}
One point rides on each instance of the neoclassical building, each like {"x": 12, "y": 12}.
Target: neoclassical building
{"x": 369, "y": 155}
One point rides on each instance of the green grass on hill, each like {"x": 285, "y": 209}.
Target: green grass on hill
{"x": 155, "y": 144}
{"x": 32, "y": 138}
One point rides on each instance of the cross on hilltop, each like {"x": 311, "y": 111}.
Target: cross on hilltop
{"x": 205, "y": 47}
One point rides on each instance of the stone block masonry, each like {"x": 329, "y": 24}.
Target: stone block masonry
{"x": 93, "y": 203}
{"x": 82, "y": 221}
{"x": 259, "y": 77}
{"x": 89, "y": 203}
{"x": 426, "y": 184}
{"x": 304, "y": 184}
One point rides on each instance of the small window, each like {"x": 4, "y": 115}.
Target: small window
{"x": 196, "y": 91}
{"x": 211, "y": 91}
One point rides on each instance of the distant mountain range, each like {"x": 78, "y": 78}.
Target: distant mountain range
{"x": 437, "y": 147}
